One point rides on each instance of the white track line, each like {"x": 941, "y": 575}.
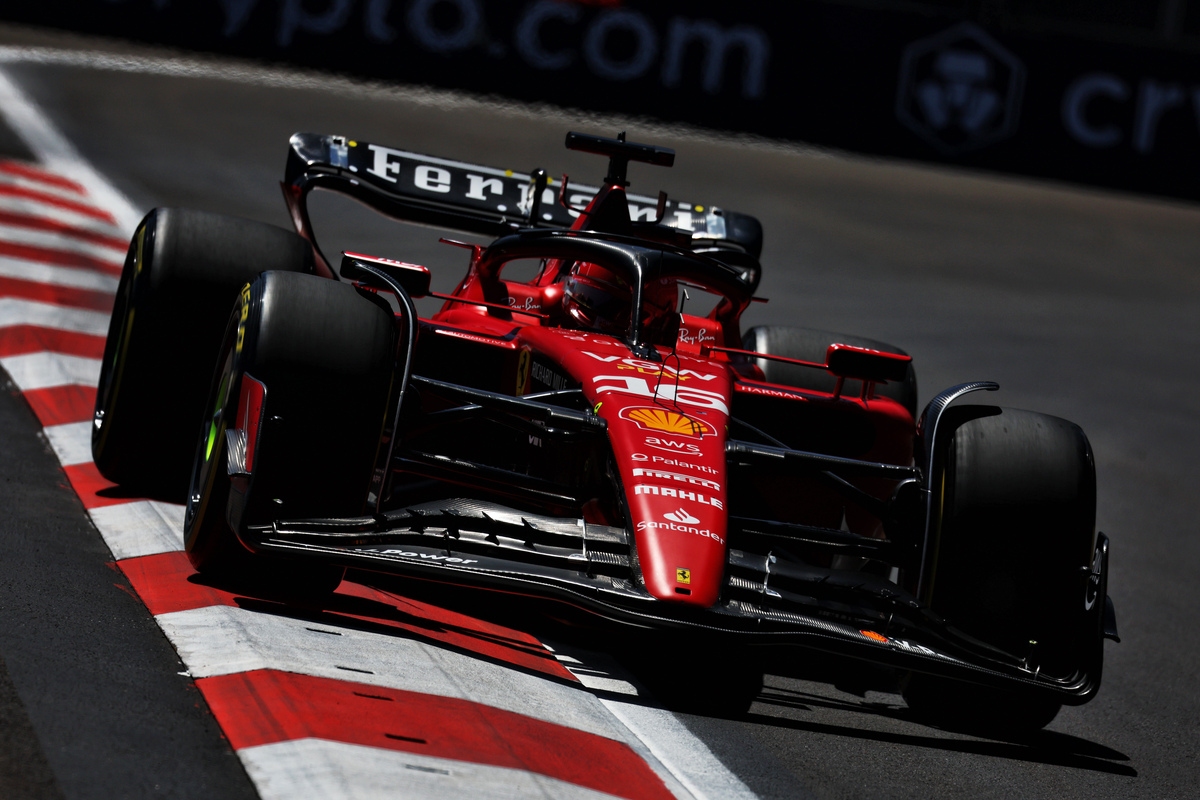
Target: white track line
{"x": 254, "y": 74}
{"x": 222, "y": 640}
{"x": 44, "y": 370}
{"x": 225, "y": 640}
{"x": 319, "y": 768}
{"x": 673, "y": 745}
{"x": 58, "y": 155}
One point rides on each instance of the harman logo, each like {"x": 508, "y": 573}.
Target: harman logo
{"x": 672, "y": 422}
{"x": 960, "y": 89}
{"x": 681, "y": 516}
{"x": 747, "y": 388}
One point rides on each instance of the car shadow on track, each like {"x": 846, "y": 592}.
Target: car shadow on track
{"x": 505, "y": 634}
{"x": 360, "y": 608}
{"x": 1044, "y": 747}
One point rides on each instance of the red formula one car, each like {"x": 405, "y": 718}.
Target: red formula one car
{"x": 598, "y": 435}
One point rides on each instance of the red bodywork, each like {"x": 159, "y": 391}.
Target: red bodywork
{"x": 573, "y": 438}
{"x": 668, "y": 419}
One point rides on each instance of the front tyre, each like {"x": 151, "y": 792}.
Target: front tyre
{"x": 319, "y": 356}
{"x": 183, "y": 270}
{"x": 1012, "y": 556}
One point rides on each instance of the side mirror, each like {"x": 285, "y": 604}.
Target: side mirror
{"x": 861, "y": 363}
{"x": 413, "y": 278}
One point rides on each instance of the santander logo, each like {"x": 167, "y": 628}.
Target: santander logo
{"x": 681, "y": 516}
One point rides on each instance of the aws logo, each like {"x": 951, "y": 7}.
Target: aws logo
{"x": 673, "y": 446}
{"x": 669, "y": 422}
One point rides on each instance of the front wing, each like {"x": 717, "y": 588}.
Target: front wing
{"x": 767, "y": 601}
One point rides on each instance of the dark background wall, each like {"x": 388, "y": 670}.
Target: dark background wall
{"x": 1105, "y": 92}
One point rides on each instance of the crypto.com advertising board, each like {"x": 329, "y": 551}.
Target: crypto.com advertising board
{"x": 884, "y": 82}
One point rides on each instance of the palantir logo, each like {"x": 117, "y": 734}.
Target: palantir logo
{"x": 960, "y": 89}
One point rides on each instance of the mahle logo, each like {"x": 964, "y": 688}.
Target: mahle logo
{"x": 960, "y": 90}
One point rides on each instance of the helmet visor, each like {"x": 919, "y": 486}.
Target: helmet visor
{"x": 598, "y": 304}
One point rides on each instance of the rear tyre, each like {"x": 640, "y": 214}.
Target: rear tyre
{"x": 325, "y": 354}
{"x": 1011, "y": 559}
{"x": 807, "y": 344}
{"x": 183, "y": 270}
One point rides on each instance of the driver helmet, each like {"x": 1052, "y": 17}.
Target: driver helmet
{"x": 598, "y": 299}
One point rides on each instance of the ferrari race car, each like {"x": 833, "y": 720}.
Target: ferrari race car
{"x": 602, "y": 434}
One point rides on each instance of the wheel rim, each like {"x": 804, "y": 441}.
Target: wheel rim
{"x": 1092, "y": 592}
{"x": 117, "y": 345}
{"x": 210, "y": 450}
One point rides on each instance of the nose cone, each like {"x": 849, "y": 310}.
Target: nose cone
{"x": 666, "y": 425}
{"x": 681, "y": 551}
{"x": 672, "y": 464}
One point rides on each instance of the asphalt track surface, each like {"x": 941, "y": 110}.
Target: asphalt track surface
{"x": 1080, "y": 303}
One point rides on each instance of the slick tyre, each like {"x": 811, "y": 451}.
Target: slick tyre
{"x": 183, "y": 270}
{"x": 1013, "y": 545}
{"x": 807, "y": 344}
{"x": 324, "y": 354}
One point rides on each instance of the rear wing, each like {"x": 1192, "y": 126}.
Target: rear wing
{"x": 485, "y": 200}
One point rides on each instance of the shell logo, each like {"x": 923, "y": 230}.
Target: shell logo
{"x": 672, "y": 422}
